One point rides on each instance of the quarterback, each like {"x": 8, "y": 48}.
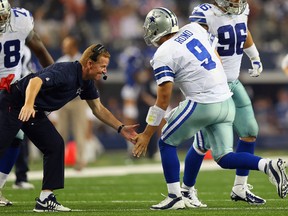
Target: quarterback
{"x": 194, "y": 67}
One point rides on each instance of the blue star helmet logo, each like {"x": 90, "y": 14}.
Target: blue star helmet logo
{"x": 152, "y": 19}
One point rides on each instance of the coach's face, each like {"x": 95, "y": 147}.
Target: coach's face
{"x": 98, "y": 68}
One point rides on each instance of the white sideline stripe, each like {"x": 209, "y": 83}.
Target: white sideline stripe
{"x": 122, "y": 170}
{"x": 114, "y": 170}
{"x": 206, "y": 210}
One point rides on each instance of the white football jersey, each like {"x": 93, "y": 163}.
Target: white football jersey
{"x": 189, "y": 60}
{"x": 12, "y": 42}
{"x": 231, "y": 30}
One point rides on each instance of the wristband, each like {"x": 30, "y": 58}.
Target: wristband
{"x": 252, "y": 52}
{"x": 155, "y": 115}
{"x": 120, "y": 128}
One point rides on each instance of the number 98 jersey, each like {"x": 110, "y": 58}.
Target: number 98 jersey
{"x": 12, "y": 42}
{"x": 231, "y": 30}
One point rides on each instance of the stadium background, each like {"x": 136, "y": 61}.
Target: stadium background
{"x": 118, "y": 24}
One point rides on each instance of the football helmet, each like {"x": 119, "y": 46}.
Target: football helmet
{"x": 5, "y": 13}
{"x": 158, "y": 23}
{"x": 232, "y": 7}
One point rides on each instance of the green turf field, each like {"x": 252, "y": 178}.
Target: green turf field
{"x": 133, "y": 195}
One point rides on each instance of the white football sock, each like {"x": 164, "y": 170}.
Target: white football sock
{"x": 3, "y": 179}
{"x": 240, "y": 180}
{"x": 44, "y": 195}
{"x": 174, "y": 188}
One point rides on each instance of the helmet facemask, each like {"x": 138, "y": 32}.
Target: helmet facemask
{"x": 5, "y": 14}
{"x": 158, "y": 23}
{"x": 231, "y": 7}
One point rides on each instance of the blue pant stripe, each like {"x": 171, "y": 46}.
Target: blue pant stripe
{"x": 179, "y": 120}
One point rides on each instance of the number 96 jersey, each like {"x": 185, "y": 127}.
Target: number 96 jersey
{"x": 12, "y": 42}
{"x": 231, "y": 30}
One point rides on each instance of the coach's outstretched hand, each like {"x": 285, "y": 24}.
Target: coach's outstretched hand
{"x": 129, "y": 132}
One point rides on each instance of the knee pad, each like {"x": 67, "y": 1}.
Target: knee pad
{"x": 245, "y": 123}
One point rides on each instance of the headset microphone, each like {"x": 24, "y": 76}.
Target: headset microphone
{"x": 104, "y": 76}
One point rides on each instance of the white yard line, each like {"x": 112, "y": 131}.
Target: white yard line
{"x": 119, "y": 170}
{"x": 113, "y": 170}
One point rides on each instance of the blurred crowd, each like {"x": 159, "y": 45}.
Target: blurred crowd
{"x": 117, "y": 23}
{"x": 272, "y": 116}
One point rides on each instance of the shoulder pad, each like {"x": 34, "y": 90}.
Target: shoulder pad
{"x": 21, "y": 20}
{"x": 200, "y": 13}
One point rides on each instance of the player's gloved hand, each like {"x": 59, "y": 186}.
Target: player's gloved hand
{"x": 257, "y": 67}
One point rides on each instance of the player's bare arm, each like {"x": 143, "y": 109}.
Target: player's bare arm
{"x": 252, "y": 52}
{"x": 164, "y": 92}
{"x": 34, "y": 42}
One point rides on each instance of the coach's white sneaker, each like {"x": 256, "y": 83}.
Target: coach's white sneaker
{"x": 277, "y": 175}
{"x": 243, "y": 193}
{"x": 50, "y": 204}
{"x": 169, "y": 203}
{"x": 190, "y": 198}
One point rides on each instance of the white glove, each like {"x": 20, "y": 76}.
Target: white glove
{"x": 257, "y": 67}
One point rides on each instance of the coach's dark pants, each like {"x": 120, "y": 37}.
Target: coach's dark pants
{"x": 40, "y": 131}
{"x": 21, "y": 165}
